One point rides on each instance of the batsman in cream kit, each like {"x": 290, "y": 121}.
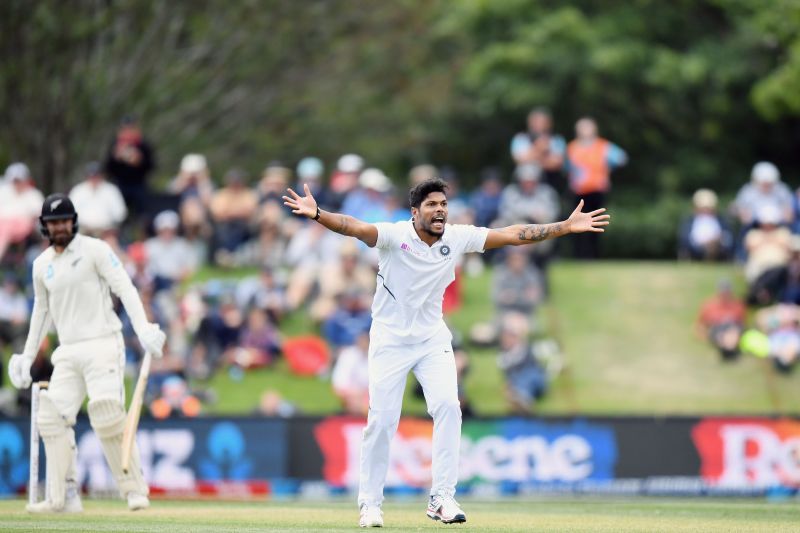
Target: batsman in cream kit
{"x": 73, "y": 280}
{"x": 416, "y": 262}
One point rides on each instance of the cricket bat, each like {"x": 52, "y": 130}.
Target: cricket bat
{"x": 135, "y": 409}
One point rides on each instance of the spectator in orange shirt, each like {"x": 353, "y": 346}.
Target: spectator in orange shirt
{"x": 590, "y": 162}
{"x": 721, "y": 321}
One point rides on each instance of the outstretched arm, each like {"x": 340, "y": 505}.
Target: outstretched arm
{"x": 344, "y": 224}
{"x": 518, "y": 234}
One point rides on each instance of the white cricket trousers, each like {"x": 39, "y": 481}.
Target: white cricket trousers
{"x": 434, "y": 366}
{"x": 94, "y": 367}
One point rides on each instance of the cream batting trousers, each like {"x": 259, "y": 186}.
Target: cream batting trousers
{"x": 94, "y": 367}
{"x": 434, "y": 366}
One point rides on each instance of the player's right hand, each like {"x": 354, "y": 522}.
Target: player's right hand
{"x": 152, "y": 340}
{"x": 19, "y": 370}
{"x": 301, "y": 205}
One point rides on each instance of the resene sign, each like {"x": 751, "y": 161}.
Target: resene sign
{"x": 506, "y": 450}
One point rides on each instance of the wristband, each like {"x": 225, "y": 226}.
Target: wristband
{"x": 318, "y": 214}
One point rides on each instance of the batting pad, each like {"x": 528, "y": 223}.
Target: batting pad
{"x": 108, "y": 421}
{"x": 59, "y": 447}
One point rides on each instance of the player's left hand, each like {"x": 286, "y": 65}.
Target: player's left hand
{"x": 593, "y": 221}
{"x": 19, "y": 370}
{"x": 152, "y": 340}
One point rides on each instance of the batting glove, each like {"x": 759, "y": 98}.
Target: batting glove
{"x": 19, "y": 370}
{"x": 152, "y": 340}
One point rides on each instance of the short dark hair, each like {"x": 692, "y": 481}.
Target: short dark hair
{"x": 421, "y": 190}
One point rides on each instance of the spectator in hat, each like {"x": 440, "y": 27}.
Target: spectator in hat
{"x": 528, "y": 201}
{"x": 129, "y": 162}
{"x": 768, "y": 250}
{"x": 232, "y": 210}
{"x": 368, "y": 201}
{"x": 273, "y": 183}
{"x": 99, "y": 202}
{"x": 764, "y": 189}
{"x": 20, "y": 206}
{"x": 539, "y": 145}
{"x": 344, "y": 178}
{"x": 705, "y": 235}
{"x": 170, "y": 259}
{"x": 193, "y": 180}
{"x": 721, "y": 321}
{"x": 310, "y": 171}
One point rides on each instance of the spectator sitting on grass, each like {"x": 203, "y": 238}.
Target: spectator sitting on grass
{"x": 13, "y": 315}
{"x": 517, "y": 286}
{"x": 170, "y": 259}
{"x": 99, "y": 202}
{"x": 273, "y": 404}
{"x": 768, "y": 251}
{"x": 526, "y": 379}
{"x": 530, "y": 202}
{"x": 232, "y": 210}
{"x": 217, "y": 333}
{"x": 721, "y": 321}
{"x": 259, "y": 342}
{"x": 350, "y": 377}
{"x": 175, "y": 400}
{"x": 193, "y": 180}
{"x": 266, "y": 291}
{"x": 790, "y": 286}
{"x": 20, "y": 205}
{"x": 781, "y": 324}
{"x": 351, "y": 317}
{"x": 705, "y": 235}
{"x": 346, "y": 273}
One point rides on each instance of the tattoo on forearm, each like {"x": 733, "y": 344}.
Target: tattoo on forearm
{"x": 539, "y": 232}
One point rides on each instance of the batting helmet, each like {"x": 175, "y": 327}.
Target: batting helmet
{"x": 57, "y": 206}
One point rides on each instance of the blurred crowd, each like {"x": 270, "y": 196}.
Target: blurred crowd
{"x": 168, "y": 229}
{"x": 760, "y": 231}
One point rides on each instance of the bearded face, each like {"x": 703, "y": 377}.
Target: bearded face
{"x": 60, "y": 231}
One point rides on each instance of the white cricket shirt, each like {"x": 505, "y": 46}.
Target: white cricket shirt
{"x": 73, "y": 289}
{"x": 412, "y": 277}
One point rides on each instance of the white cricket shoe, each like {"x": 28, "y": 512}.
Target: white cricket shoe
{"x": 137, "y": 501}
{"x": 445, "y": 508}
{"x": 71, "y": 505}
{"x": 371, "y": 516}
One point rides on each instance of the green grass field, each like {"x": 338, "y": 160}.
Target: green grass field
{"x": 551, "y": 514}
{"x": 626, "y": 329}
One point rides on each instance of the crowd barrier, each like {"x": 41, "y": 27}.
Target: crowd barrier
{"x": 257, "y": 457}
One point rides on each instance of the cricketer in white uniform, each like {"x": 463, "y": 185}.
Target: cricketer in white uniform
{"x": 417, "y": 261}
{"x": 73, "y": 280}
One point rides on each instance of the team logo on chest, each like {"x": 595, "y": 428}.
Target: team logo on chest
{"x": 444, "y": 250}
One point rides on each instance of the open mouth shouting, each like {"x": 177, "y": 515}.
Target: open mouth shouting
{"x": 437, "y": 223}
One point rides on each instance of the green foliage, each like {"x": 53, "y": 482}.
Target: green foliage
{"x": 694, "y": 91}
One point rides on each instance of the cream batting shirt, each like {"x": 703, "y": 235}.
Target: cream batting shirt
{"x": 412, "y": 277}
{"x": 73, "y": 290}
